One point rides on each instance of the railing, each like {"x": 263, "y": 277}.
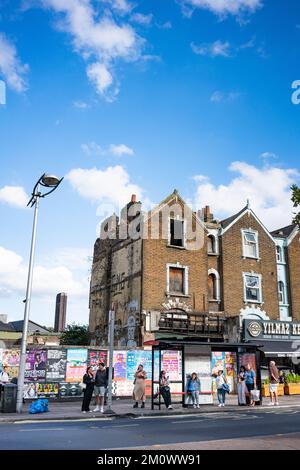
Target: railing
{"x": 192, "y": 324}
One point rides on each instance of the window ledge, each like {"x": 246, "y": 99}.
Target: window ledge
{"x": 214, "y": 301}
{"x": 177, "y": 294}
{"x": 177, "y": 247}
{"x": 251, "y": 257}
{"x": 211, "y": 253}
{"x": 283, "y": 305}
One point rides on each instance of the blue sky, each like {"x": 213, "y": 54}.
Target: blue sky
{"x": 145, "y": 96}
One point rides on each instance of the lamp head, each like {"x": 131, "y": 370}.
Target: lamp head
{"x": 50, "y": 181}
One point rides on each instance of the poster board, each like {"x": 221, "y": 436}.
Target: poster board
{"x": 76, "y": 364}
{"x": 35, "y": 367}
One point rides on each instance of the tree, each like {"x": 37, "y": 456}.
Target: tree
{"x": 75, "y": 335}
{"x": 296, "y": 202}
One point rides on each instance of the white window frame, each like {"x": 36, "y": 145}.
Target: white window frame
{"x": 255, "y": 233}
{"x": 185, "y": 279}
{"x": 216, "y": 244}
{"x": 184, "y": 232}
{"x": 217, "y": 276}
{"x": 281, "y": 254}
{"x": 251, "y": 301}
{"x": 283, "y": 293}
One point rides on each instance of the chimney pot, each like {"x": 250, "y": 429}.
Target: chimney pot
{"x": 133, "y": 198}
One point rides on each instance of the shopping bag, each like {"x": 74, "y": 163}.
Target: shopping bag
{"x": 255, "y": 394}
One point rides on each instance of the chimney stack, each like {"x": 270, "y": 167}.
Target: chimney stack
{"x": 206, "y": 215}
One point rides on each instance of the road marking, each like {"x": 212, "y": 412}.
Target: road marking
{"x": 65, "y": 421}
{"x": 41, "y": 429}
{"x": 122, "y": 426}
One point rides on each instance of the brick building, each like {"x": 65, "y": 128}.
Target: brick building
{"x": 172, "y": 272}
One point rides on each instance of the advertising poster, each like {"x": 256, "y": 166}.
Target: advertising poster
{"x": 69, "y": 390}
{"x": 95, "y": 356}
{"x": 119, "y": 364}
{"x": 134, "y": 358}
{"x": 56, "y": 365}
{"x": 47, "y": 390}
{"x": 171, "y": 363}
{"x": 247, "y": 358}
{"x": 11, "y": 357}
{"x": 217, "y": 362}
{"x": 30, "y": 390}
{"x": 35, "y": 368}
{"x": 76, "y": 365}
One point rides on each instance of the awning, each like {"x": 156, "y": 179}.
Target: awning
{"x": 280, "y": 348}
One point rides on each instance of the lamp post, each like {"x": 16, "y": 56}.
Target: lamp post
{"x": 50, "y": 182}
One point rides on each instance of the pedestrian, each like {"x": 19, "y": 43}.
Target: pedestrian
{"x": 250, "y": 380}
{"x": 88, "y": 381}
{"x": 274, "y": 380}
{"x": 164, "y": 388}
{"x": 241, "y": 387}
{"x": 221, "y": 383}
{"x": 139, "y": 387}
{"x": 4, "y": 376}
{"x": 100, "y": 387}
{"x": 193, "y": 389}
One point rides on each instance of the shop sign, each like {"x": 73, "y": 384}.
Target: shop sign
{"x": 271, "y": 330}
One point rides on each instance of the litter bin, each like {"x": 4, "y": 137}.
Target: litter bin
{"x": 8, "y": 398}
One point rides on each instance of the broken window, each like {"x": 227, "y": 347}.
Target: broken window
{"x": 176, "y": 280}
{"x": 252, "y": 289}
{"x": 176, "y": 232}
{"x": 250, "y": 244}
{"x": 211, "y": 244}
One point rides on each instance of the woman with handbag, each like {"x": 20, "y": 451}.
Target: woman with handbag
{"x": 164, "y": 388}
{"x": 139, "y": 387}
{"x": 222, "y": 387}
{"x": 88, "y": 382}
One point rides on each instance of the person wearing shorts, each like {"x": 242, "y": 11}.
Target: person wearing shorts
{"x": 100, "y": 387}
{"x": 274, "y": 380}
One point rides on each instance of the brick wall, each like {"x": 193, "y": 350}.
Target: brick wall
{"x": 234, "y": 265}
{"x": 293, "y": 252}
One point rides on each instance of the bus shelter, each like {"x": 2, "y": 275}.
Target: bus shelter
{"x": 180, "y": 358}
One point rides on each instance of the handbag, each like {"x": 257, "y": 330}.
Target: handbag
{"x": 82, "y": 386}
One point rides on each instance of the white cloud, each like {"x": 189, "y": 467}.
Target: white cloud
{"x": 110, "y": 187}
{"x": 223, "y": 7}
{"x": 14, "y": 196}
{"x": 98, "y": 38}
{"x": 91, "y": 148}
{"x": 215, "y": 49}
{"x": 80, "y": 104}
{"x": 120, "y": 150}
{"x": 220, "y": 96}
{"x": 268, "y": 155}
{"x": 47, "y": 281}
{"x": 267, "y": 188}
{"x": 11, "y": 68}
{"x": 139, "y": 18}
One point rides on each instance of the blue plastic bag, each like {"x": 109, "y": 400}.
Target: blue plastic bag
{"x": 39, "y": 406}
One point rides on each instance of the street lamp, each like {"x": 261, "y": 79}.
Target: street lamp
{"x": 50, "y": 182}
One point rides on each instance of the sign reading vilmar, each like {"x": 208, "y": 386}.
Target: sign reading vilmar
{"x": 273, "y": 330}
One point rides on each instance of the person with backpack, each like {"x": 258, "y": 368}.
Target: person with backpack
{"x": 193, "y": 389}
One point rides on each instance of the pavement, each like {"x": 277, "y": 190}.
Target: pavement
{"x": 123, "y": 408}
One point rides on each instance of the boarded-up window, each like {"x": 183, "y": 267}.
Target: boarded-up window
{"x": 212, "y": 287}
{"x": 211, "y": 246}
{"x": 176, "y": 280}
{"x": 176, "y": 232}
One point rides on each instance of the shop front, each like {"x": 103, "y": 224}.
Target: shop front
{"x": 278, "y": 341}
{"x": 180, "y": 358}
